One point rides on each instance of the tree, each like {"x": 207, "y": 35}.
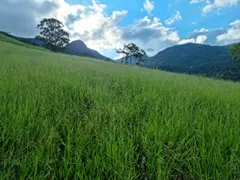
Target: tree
{"x": 235, "y": 51}
{"x": 53, "y": 35}
{"x": 131, "y": 51}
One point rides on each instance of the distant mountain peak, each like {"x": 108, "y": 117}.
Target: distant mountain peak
{"x": 78, "y": 43}
{"x": 79, "y": 48}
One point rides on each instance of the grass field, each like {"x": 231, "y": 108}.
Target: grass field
{"x": 65, "y": 117}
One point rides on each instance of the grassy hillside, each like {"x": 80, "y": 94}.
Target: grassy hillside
{"x": 5, "y": 38}
{"x": 65, "y": 117}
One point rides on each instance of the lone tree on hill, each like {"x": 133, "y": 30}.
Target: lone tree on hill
{"x": 131, "y": 51}
{"x": 235, "y": 51}
{"x": 53, "y": 35}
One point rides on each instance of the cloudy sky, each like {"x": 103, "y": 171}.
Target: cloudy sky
{"x": 107, "y": 24}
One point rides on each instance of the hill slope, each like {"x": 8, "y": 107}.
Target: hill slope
{"x": 8, "y": 39}
{"x": 197, "y": 59}
{"x": 65, "y": 117}
{"x": 77, "y": 48}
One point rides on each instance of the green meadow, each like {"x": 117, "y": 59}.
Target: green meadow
{"x": 68, "y": 117}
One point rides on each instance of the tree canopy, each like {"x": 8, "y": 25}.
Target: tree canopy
{"x": 235, "y": 51}
{"x": 53, "y": 34}
{"x": 131, "y": 51}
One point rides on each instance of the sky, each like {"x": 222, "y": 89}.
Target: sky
{"x": 105, "y": 25}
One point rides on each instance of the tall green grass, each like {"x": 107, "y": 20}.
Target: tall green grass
{"x": 65, "y": 117}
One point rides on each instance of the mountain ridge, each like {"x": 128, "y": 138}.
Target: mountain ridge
{"x": 201, "y": 59}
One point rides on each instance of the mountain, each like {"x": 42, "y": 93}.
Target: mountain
{"x": 79, "y": 48}
{"x": 212, "y": 61}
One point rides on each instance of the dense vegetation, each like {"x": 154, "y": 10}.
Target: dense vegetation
{"x": 53, "y": 35}
{"x": 65, "y": 117}
{"x": 235, "y": 51}
{"x": 205, "y": 60}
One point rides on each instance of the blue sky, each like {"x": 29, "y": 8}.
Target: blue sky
{"x": 154, "y": 25}
{"x": 191, "y": 13}
{"x": 194, "y": 14}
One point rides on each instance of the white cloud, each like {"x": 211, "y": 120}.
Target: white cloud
{"x": 211, "y": 34}
{"x": 196, "y": 1}
{"x": 64, "y": 9}
{"x": 199, "y": 39}
{"x": 149, "y": 6}
{"x": 235, "y": 24}
{"x": 175, "y": 17}
{"x": 232, "y": 35}
{"x": 210, "y": 5}
{"x": 150, "y": 34}
{"x": 98, "y": 30}
{"x": 201, "y": 30}
{"x": 184, "y": 41}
